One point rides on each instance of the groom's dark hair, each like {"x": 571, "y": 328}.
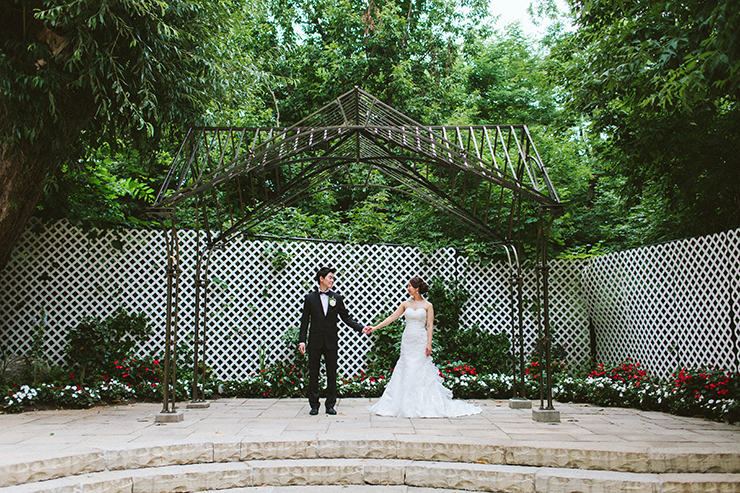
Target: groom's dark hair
{"x": 323, "y": 272}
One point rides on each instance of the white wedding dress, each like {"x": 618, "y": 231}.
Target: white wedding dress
{"x": 415, "y": 389}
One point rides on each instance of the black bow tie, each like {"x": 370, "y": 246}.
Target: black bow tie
{"x": 324, "y": 292}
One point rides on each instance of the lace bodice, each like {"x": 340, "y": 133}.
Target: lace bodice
{"x": 416, "y": 316}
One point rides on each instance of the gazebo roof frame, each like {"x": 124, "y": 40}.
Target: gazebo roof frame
{"x": 263, "y": 168}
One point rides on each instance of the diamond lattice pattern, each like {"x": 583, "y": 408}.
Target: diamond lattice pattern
{"x": 668, "y": 306}
{"x": 665, "y": 306}
{"x": 57, "y": 275}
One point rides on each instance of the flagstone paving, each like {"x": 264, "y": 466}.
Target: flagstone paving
{"x": 74, "y": 430}
{"x": 584, "y": 433}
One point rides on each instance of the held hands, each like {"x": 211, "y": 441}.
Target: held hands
{"x": 368, "y": 329}
{"x": 302, "y": 347}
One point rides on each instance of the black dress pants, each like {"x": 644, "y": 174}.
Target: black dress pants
{"x": 314, "y": 365}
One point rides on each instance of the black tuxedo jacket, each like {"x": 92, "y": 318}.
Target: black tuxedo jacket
{"x": 322, "y": 329}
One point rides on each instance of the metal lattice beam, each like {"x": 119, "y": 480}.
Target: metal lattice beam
{"x": 472, "y": 172}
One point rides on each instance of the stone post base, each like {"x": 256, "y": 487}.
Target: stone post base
{"x": 175, "y": 417}
{"x": 546, "y": 415}
{"x": 198, "y": 405}
{"x": 516, "y": 403}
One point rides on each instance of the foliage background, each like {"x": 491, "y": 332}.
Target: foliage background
{"x": 637, "y": 121}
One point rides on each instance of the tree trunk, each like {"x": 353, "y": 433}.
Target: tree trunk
{"x": 22, "y": 175}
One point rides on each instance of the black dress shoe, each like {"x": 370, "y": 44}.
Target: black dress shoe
{"x": 331, "y": 410}
{"x": 313, "y": 411}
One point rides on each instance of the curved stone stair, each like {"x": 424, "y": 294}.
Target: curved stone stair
{"x": 419, "y": 462}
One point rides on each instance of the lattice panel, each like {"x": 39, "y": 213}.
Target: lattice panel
{"x": 668, "y": 306}
{"x": 490, "y": 308}
{"x": 64, "y": 276}
{"x": 251, "y": 305}
{"x": 568, "y": 315}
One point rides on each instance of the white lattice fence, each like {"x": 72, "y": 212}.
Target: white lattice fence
{"x": 489, "y": 306}
{"x": 57, "y": 276}
{"x": 253, "y": 304}
{"x": 668, "y": 306}
{"x": 57, "y": 271}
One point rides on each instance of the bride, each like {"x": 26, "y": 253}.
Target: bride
{"x": 415, "y": 389}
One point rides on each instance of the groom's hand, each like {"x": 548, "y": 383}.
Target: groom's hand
{"x": 367, "y": 330}
{"x": 302, "y": 347}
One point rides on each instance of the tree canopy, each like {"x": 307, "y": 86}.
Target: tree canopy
{"x": 658, "y": 84}
{"x": 634, "y": 110}
{"x": 77, "y": 74}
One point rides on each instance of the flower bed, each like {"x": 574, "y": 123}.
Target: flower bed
{"x": 708, "y": 393}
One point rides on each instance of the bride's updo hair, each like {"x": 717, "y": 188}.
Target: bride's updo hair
{"x": 419, "y": 284}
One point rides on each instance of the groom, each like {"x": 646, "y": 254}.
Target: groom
{"x": 319, "y": 319}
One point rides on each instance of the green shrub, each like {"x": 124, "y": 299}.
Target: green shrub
{"x": 113, "y": 390}
{"x": 369, "y": 383}
{"x": 300, "y": 361}
{"x": 386, "y": 344}
{"x": 709, "y": 393}
{"x": 282, "y": 379}
{"x": 286, "y": 380}
{"x": 715, "y": 389}
{"x": 76, "y": 397}
{"x": 448, "y": 298}
{"x": 489, "y": 351}
{"x": 142, "y": 374}
{"x": 95, "y": 345}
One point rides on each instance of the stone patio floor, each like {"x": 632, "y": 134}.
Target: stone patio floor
{"x": 37, "y": 433}
{"x": 41, "y": 434}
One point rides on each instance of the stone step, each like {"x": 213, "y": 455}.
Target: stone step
{"x": 421, "y": 474}
{"x": 600, "y": 458}
{"x": 353, "y": 488}
{"x": 611, "y": 457}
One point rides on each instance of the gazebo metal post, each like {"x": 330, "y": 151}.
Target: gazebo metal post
{"x": 197, "y": 283}
{"x": 547, "y": 216}
{"x": 197, "y": 397}
{"x": 173, "y": 271}
{"x": 205, "y": 282}
{"x": 517, "y": 330}
{"x": 520, "y": 321}
{"x": 514, "y": 333}
{"x": 538, "y": 306}
{"x": 518, "y": 279}
{"x": 547, "y": 346}
{"x": 194, "y": 396}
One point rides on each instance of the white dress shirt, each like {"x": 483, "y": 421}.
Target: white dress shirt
{"x": 324, "y": 300}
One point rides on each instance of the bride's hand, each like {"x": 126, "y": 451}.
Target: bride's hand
{"x": 429, "y": 350}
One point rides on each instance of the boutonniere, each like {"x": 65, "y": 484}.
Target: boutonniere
{"x": 332, "y": 301}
